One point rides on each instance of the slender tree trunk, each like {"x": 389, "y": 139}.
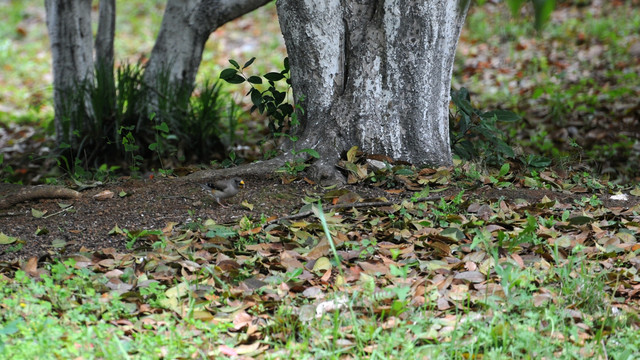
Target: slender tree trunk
{"x": 106, "y": 33}
{"x": 186, "y": 27}
{"x": 69, "y": 25}
{"x": 105, "y": 106}
{"x": 373, "y": 73}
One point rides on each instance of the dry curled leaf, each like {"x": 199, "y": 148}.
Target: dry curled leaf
{"x": 104, "y": 195}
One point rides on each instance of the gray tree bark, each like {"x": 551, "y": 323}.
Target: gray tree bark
{"x": 186, "y": 26}
{"x": 106, "y": 33}
{"x": 373, "y": 73}
{"x": 69, "y": 26}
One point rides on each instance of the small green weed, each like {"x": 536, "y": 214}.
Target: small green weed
{"x": 474, "y": 133}
{"x": 593, "y": 201}
{"x": 232, "y": 160}
{"x": 299, "y": 164}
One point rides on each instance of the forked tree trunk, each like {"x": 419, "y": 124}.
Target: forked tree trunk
{"x": 186, "y": 26}
{"x": 373, "y": 73}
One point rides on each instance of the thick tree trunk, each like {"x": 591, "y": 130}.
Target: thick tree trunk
{"x": 373, "y": 73}
{"x": 69, "y": 25}
{"x": 186, "y": 26}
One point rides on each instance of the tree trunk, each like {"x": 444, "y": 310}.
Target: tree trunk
{"x": 186, "y": 26}
{"x": 106, "y": 33}
{"x": 105, "y": 107}
{"x": 373, "y": 73}
{"x": 69, "y": 25}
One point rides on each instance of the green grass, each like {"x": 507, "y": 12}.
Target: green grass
{"x": 576, "y": 75}
{"x": 69, "y": 312}
{"x": 563, "y": 305}
{"x": 24, "y": 60}
{"x": 64, "y": 316}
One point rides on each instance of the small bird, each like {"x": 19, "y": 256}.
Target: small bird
{"x": 223, "y": 189}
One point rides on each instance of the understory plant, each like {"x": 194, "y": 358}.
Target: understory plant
{"x": 272, "y": 100}
{"x": 119, "y": 119}
{"x": 474, "y": 133}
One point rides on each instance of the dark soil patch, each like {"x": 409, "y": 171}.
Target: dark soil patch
{"x": 149, "y": 204}
{"x": 152, "y": 204}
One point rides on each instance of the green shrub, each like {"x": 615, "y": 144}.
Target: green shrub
{"x": 474, "y": 134}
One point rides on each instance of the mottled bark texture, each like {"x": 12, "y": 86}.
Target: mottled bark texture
{"x": 69, "y": 26}
{"x": 373, "y": 73}
{"x": 106, "y": 33}
{"x": 186, "y": 26}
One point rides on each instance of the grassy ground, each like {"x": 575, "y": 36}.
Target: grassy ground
{"x": 576, "y": 84}
{"x": 504, "y": 270}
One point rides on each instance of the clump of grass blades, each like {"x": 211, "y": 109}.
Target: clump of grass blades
{"x": 118, "y": 119}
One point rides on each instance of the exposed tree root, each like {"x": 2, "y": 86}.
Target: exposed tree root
{"x": 322, "y": 171}
{"x": 256, "y": 168}
{"x": 38, "y": 192}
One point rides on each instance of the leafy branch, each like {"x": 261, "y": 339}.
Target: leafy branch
{"x": 271, "y": 101}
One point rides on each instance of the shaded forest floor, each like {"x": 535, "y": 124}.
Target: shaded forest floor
{"x": 426, "y": 255}
{"x": 56, "y": 227}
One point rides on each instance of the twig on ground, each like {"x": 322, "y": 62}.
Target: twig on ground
{"x": 58, "y": 212}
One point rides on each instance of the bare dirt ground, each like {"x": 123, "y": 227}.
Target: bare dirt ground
{"x": 153, "y": 204}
